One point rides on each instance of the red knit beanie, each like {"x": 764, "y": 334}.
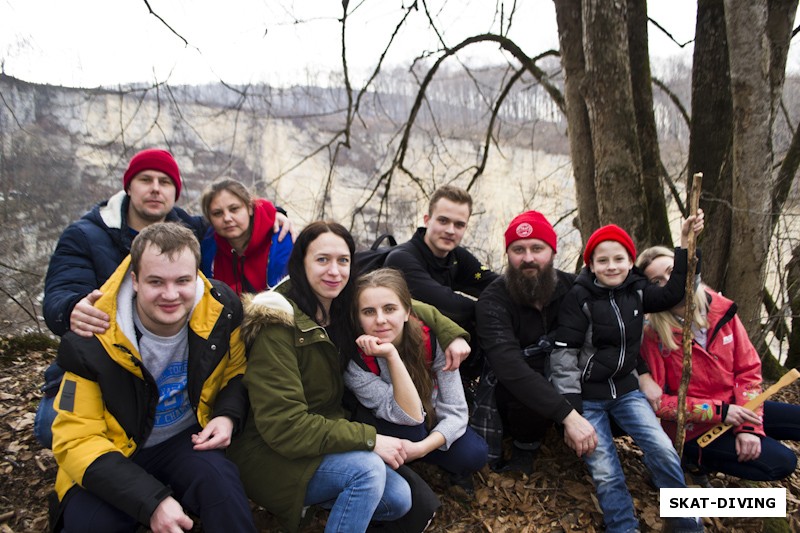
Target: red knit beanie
{"x": 531, "y": 225}
{"x": 611, "y": 232}
{"x": 153, "y": 159}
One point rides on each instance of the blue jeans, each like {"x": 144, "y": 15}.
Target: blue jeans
{"x": 635, "y": 416}
{"x": 357, "y": 487}
{"x": 781, "y": 422}
{"x": 46, "y": 412}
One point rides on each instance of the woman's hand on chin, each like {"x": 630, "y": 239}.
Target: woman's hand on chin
{"x": 375, "y": 347}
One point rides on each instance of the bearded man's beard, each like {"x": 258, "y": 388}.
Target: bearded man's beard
{"x": 534, "y": 291}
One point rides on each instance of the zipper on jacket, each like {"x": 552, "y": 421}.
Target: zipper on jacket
{"x": 149, "y": 383}
{"x": 586, "y": 367}
{"x": 622, "y": 346}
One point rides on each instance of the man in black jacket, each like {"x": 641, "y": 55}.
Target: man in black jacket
{"x": 516, "y": 317}
{"x": 437, "y": 269}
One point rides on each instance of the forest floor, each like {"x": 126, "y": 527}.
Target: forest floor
{"x": 558, "y": 496}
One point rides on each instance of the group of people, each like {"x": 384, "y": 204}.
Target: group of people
{"x": 206, "y": 362}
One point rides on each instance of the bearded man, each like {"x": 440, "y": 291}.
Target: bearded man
{"x": 516, "y": 316}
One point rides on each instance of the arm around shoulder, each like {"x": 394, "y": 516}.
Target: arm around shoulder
{"x": 445, "y": 329}
{"x": 70, "y": 276}
{"x": 280, "y": 408}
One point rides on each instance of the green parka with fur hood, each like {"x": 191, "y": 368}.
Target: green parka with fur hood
{"x": 295, "y": 384}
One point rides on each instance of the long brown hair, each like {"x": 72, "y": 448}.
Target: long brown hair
{"x": 412, "y": 346}
{"x": 665, "y": 322}
{"x": 340, "y": 319}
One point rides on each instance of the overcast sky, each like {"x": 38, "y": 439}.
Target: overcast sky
{"x": 87, "y": 43}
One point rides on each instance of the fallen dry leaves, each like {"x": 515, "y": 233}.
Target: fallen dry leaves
{"x": 557, "y": 497}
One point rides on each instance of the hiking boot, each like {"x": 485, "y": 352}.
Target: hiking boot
{"x": 701, "y": 480}
{"x": 464, "y": 481}
{"x": 697, "y": 475}
{"x": 522, "y": 455}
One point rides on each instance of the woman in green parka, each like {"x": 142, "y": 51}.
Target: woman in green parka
{"x": 297, "y": 448}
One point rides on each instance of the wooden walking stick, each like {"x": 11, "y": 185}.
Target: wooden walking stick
{"x": 688, "y": 317}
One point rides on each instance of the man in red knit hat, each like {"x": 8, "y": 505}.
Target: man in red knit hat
{"x": 517, "y": 316}
{"x": 91, "y": 249}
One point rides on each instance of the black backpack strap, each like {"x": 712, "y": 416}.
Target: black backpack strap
{"x": 384, "y": 237}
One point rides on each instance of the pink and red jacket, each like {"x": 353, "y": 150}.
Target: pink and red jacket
{"x": 727, "y": 371}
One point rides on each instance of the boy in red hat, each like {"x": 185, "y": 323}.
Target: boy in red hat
{"x": 596, "y": 365}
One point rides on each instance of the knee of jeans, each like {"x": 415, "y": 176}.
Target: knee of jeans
{"x": 402, "y": 500}
{"x": 604, "y": 468}
{"x": 370, "y": 472}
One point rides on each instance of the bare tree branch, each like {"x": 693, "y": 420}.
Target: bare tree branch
{"x": 10, "y": 110}
{"x": 482, "y": 166}
{"x": 668, "y": 34}
{"x": 786, "y": 176}
{"x": 675, "y": 100}
{"x": 164, "y": 22}
{"x": 22, "y": 306}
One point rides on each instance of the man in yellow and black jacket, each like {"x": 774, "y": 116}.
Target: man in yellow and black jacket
{"x": 147, "y": 408}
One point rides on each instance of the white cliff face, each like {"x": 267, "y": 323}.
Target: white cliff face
{"x": 65, "y": 149}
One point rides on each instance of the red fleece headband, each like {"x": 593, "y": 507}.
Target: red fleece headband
{"x": 153, "y": 159}
{"x": 531, "y": 225}
{"x": 609, "y": 233}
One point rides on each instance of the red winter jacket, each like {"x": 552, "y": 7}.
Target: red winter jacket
{"x": 248, "y": 272}
{"x": 727, "y": 372}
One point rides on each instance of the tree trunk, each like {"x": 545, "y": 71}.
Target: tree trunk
{"x": 779, "y": 31}
{"x": 749, "y": 56}
{"x": 570, "y": 35}
{"x": 612, "y": 119}
{"x": 793, "y": 290}
{"x": 780, "y": 16}
{"x": 646, "y": 125}
{"x": 710, "y": 136}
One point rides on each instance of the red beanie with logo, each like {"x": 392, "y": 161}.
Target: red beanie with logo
{"x": 531, "y": 225}
{"x": 612, "y": 232}
{"x": 153, "y": 159}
